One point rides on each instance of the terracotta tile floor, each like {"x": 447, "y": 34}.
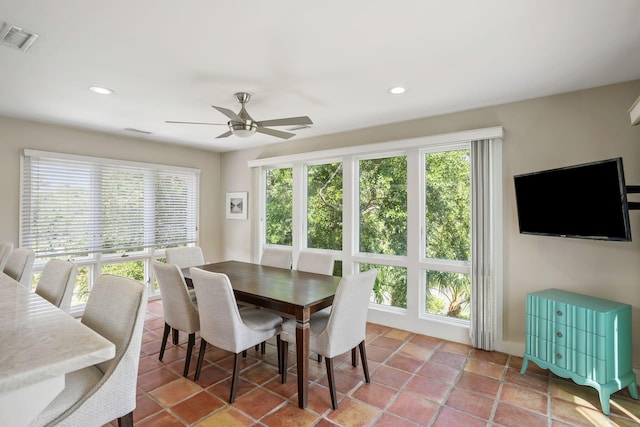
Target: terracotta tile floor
{"x": 415, "y": 380}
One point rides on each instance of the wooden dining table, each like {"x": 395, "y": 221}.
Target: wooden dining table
{"x": 293, "y": 293}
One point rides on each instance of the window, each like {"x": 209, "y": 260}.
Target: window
{"x": 324, "y": 206}
{"x": 390, "y": 288}
{"x": 279, "y": 205}
{"x": 99, "y": 211}
{"x": 447, "y": 214}
{"x": 382, "y": 187}
{"x": 402, "y": 207}
{"x": 383, "y": 206}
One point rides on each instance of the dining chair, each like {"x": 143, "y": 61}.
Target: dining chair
{"x": 319, "y": 263}
{"x": 98, "y": 394}
{"x": 279, "y": 257}
{"x": 56, "y": 283}
{"x": 315, "y": 262}
{"x": 19, "y": 265}
{"x": 276, "y": 257}
{"x": 180, "y": 312}
{"x": 183, "y": 257}
{"x": 342, "y": 330}
{"x": 225, "y": 326}
{"x": 5, "y": 250}
{"x": 186, "y": 256}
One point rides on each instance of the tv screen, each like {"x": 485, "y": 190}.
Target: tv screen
{"x": 586, "y": 201}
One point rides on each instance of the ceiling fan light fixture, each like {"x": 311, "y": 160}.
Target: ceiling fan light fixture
{"x": 243, "y": 130}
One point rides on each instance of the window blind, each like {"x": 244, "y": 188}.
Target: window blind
{"x": 76, "y": 205}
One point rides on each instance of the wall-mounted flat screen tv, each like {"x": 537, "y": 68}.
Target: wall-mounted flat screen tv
{"x": 587, "y": 201}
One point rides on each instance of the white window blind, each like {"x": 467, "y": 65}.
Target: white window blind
{"x": 76, "y": 205}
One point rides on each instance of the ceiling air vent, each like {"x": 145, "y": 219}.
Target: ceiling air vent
{"x": 16, "y": 37}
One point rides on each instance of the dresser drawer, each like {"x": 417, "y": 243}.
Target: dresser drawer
{"x": 586, "y": 366}
{"x": 548, "y": 309}
{"x": 547, "y": 329}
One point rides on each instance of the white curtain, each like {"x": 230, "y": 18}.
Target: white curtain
{"x": 482, "y": 251}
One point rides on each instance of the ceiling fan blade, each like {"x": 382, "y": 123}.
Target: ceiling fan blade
{"x": 233, "y": 116}
{"x": 195, "y": 123}
{"x": 299, "y": 127}
{"x": 274, "y": 132}
{"x": 289, "y": 121}
{"x": 224, "y": 135}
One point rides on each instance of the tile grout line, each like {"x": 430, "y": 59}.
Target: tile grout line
{"x": 496, "y": 401}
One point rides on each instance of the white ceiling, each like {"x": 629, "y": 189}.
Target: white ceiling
{"x": 331, "y": 60}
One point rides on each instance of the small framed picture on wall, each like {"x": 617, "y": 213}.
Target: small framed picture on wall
{"x": 237, "y": 205}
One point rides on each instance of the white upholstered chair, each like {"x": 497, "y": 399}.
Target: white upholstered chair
{"x": 319, "y": 263}
{"x": 273, "y": 256}
{"x": 224, "y": 326}
{"x": 279, "y": 257}
{"x": 315, "y": 262}
{"x": 19, "y": 265}
{"x": 56, "y": 283}
{"x": 180, "y": 313}
{"x": 183, "y": 257}
{"x": 5, "y": 250}
{"x": 342, "y": 330}
{"x": 98, "y": 394}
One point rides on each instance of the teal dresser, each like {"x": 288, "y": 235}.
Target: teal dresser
{"x": 583, "y": 338}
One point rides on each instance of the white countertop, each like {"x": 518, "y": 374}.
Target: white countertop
{"x": 38, "y": 341}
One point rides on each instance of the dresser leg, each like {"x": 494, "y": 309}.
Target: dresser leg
{"x": 604, "y": 402}
{"x": 633, "y": 390}
{"x": 525, "y": 364}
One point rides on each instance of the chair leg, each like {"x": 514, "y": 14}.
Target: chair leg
{"x": 284, "y": 360}
{"x": 234, "y": 378}
{"x": 319, "y": 358}
{"x": 278, "y": 344}
{"x": 256, "y": 347}
{"x": 244, "y": 353}
{"x": 126, "y": 420}
{"x": 332, "y": 385}
{"x": 263, "y": 347}
{"x": 176, "y": 336}
{"x": 165, "y": 335}
{"x": 203, "y": 346}
{"x": 354, "y": 357}
{"x": 192, "y": 342}
{"x": 365, "y": 365}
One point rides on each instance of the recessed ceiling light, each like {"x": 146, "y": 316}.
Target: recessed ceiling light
{"x": 101, "y": 90}
{"x": 397, "y": 90}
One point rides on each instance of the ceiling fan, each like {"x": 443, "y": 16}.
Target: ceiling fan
{"x": 243, "y": 125}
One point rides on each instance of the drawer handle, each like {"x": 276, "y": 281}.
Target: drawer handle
{"x": 558, "y": 356}
{"x": 559, "y": 313}
{"x": 559, "y": 334}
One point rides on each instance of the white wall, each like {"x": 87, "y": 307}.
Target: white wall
{"x": 16, "y": 135}
{"x": 540, "y": 134}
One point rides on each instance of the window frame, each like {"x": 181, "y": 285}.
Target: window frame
{"x": 436, "y": 264}
{"x": 414, "y": 317}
